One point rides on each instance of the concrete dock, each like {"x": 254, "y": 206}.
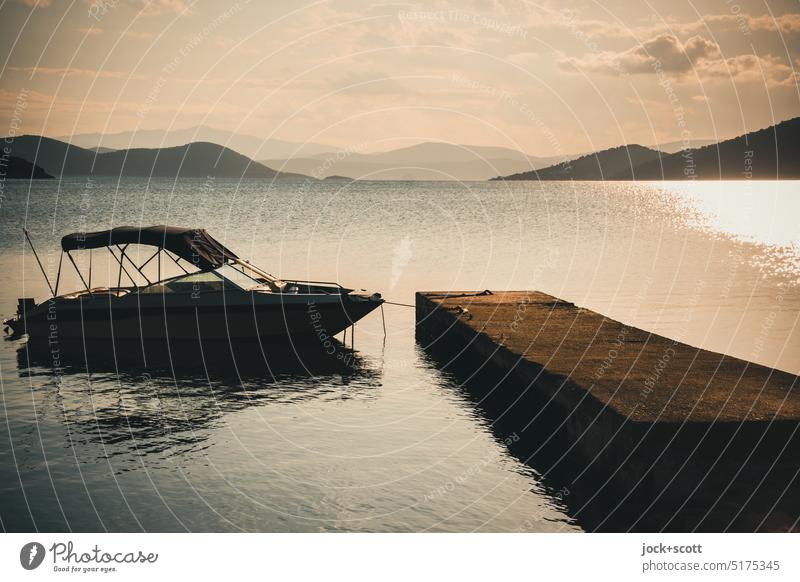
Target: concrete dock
{"x": 658, "y": 435}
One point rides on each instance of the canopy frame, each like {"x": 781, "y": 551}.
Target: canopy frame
{"x": 193, "y": 245}
{"x": 181, "y": 245}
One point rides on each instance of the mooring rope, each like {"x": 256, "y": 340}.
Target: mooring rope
{"x": 445, "y": 296}
{"x": 400, "y": 304}
{"x": 461, "y": 310}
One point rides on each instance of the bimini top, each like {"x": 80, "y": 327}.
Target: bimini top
{"x": 193, "y": 245}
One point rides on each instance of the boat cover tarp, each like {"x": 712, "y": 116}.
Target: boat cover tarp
{"x": 194, "y": 245}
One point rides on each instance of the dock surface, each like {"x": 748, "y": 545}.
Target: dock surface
{"x": 657, "y": 419}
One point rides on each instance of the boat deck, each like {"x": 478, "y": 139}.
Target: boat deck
{"x": 639, "y": 375}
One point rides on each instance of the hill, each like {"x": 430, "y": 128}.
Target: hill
{"x": 602, "y": 165}
{"x": 423, "y": 161}
{"x": 248, "y": 145}
{"x": 18, "y": 168}
{"x": 672, "y": 147}
{"x": 772, "y": 153}
{"x": 197, "y": 159}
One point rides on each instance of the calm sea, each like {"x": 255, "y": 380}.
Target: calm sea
{"x": 387, "y": 441}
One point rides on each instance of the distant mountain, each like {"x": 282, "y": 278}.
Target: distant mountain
{"x": 248, "y": 145}
{"x": 424, "y": 161}
{"x": 602, "y": 165}
{"x": 22, "y": 169}
{"x": 448, "y": 153}
{"x": 192, "y": 160}
{"x": 676, "y": 146}
{"x": 768, "y": 154}
{"x": 772, "y": 153}
{"x": 423, "y": 170}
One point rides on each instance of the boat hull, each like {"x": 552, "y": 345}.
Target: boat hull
{"x": 159, "y": 317}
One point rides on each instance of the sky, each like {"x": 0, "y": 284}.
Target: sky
{"x": 547, "y": 78}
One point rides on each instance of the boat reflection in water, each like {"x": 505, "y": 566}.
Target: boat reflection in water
{"x": 168, "y": 396}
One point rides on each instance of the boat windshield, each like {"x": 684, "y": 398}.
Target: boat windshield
{"x": 206, "y": 281}
{"x": 202, "y": 281}
{"x": 238, "y": 277}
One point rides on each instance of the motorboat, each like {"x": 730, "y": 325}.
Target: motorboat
{"x": 215, "y": 296}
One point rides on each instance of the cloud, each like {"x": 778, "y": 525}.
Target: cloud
{"x": 665, "y": 52}
{"x": 73, "y": 72}
{"x": 145, "y": 7}
{"x": 229, "y": 45}
{"x": 785, "y": 23}
{"x": 374, "y": 83}
{"x": 156, "y": 7}
{"x": 768, "y": 70}
{"x": 42, "y": 103}
{"x": 137, "y": 34}
{"x": 604, "y": 29}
